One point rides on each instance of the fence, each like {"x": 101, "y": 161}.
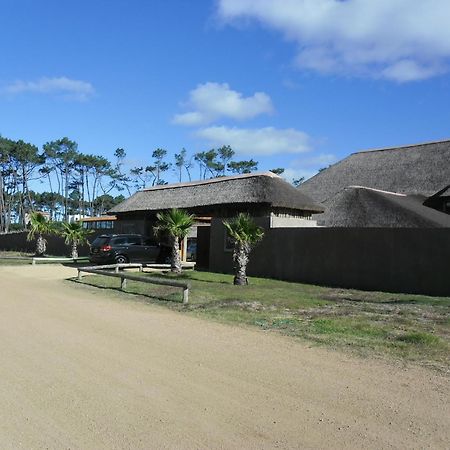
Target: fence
{"x": 55, "y": 244}
{"x": 126, "y": 276}
{"x": 409, "y": 260}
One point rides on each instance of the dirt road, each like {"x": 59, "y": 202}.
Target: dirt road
{"x": 82, "y": 369}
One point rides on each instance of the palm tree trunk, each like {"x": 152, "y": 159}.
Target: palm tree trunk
{"x": 241, "y": 256}
{"x": 40, "y": 245}
{"x": 176, "y": 260}
{"x": 74, "y": 250}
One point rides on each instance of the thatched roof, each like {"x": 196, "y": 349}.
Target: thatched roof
{"x": 357, "y": 206}
{"x": 257, "y": 188}
{"x": 414, "y": 169}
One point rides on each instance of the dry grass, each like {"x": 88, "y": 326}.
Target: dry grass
{"x": 404, "y": 327}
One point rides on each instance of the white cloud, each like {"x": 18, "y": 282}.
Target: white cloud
{"x": 306, "y": 167}
{"x": 259, "y": 141}
{"x": 401, "y": 40}
{"x": 60, "y": 86}
{"x": 315, "y": 162}
{"x": 211, "y": 101}
{"x": 290, "y": 174}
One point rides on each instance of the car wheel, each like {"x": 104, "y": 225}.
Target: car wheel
{"x": 121, "y": 259}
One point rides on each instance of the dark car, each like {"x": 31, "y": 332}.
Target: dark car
{"x": 123, "y": 248}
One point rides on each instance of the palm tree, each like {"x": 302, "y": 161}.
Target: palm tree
{"x": 245, "y": 234}
{"x": 40, "y": 225}
{"x": 176, "y": 223}
{"x": 74, "y": 234}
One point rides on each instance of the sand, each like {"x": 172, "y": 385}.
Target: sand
{"x": 82, "y": 368}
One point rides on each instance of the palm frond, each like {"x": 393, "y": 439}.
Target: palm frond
{"x": 74, "y": 232}
{"x": 39, "y": 225}
{"x": 243, "y": 229}
{"x": 175, "y": 222}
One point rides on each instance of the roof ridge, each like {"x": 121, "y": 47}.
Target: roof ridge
{"x": 377, "y": 190}
{"x": 212, "y": 180}
{"x": 381, "y": 149}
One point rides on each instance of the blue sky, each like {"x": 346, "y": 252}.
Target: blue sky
{"x": 294, "y": 83}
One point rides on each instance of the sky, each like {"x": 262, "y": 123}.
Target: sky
{"x": 298, "y": 84}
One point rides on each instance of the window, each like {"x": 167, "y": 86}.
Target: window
{"x": 120, "y": 241}
{"x": 99, "y": 225}
{"x": 134, "y": 240}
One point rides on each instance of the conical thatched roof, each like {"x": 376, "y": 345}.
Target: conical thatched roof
{"x": 357, "y": 206}
{"x": 257, "y": 188}
{"x": 414, "y": 169}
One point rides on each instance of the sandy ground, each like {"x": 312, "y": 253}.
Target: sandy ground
{"x": 82, "y": 369}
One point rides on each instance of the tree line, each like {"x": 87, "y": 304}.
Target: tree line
{"x": 71, "y": 182}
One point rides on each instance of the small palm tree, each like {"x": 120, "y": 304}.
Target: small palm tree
{"x": 40, "y": 225}
{"x": 176, "y": 223}
{"x": 245, "y": 234}
{"x": 74, "y": 234}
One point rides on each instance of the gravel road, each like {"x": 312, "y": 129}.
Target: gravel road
{"x": 82, "y": 368}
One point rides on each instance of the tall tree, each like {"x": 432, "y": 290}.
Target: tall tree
{"x": 158, "y": 167}
{"x": 27, "y": 159}
{"x": 122, "y": 179}
{"x": 298, "y": 181}
{"x": 277, "y": 171}
{"x": 209, "y": 164}
{"x": 61, "y": 155}
{"x": 182, "y": 162}
{"x": 241, "y": 167}
{"x": 140, "y": 177}
{"x": 6, "y": 185}
{"x": 225, "y": 153}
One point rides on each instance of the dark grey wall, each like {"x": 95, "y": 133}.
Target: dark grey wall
{"x": 55, "y": 244}
{"x": 384, "y": 259}
{"x": 130, "y": 226}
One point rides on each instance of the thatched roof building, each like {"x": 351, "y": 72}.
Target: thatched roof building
{"x": 413, "y": 169}
{"x": 363, "y": 189}
{"x": 440, "y": 200}
{"x": 357, "y": 206}
{"x": 262, "y": 191}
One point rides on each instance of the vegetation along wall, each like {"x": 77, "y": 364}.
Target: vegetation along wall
{"x": 55, "y": 244}
{"x": 408, "y": 260}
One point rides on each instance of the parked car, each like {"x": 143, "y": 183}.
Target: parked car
{"x": 123, "y": 248}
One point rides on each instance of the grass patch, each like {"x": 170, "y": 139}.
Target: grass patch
{"x": 400, "y": 326}
{"x": 14, "y": 258}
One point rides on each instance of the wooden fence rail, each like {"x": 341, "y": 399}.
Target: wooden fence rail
{"x": 127, "y": 276}
{"x": 50, "y": 259}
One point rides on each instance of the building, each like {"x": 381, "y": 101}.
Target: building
{"x": 357, "y": 206}
{"x": 272, "y": 201}
{"x": 103, "y": 224}
{"x": 391, "y": 187}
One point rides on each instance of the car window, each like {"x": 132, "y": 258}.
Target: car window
{"x": 150, "y": 242}
{"x": 134, "y": 240}
{"x": 98, "y": 242}
{"x": 119, "y": 241}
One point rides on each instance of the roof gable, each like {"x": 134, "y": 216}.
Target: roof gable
{"x": 415, "y": 169}
{"x": 257, "y": 188}
{"x": 358, "y": 206}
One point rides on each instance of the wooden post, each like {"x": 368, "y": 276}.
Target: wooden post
{"x": 123, "y": 283}
{"x": 79, "y": 275}
{"x": 33, "y": 262}
{"x": 116, "y": 269}
{"x": 185, "y": 296}
{"x": 184, "y": 250}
